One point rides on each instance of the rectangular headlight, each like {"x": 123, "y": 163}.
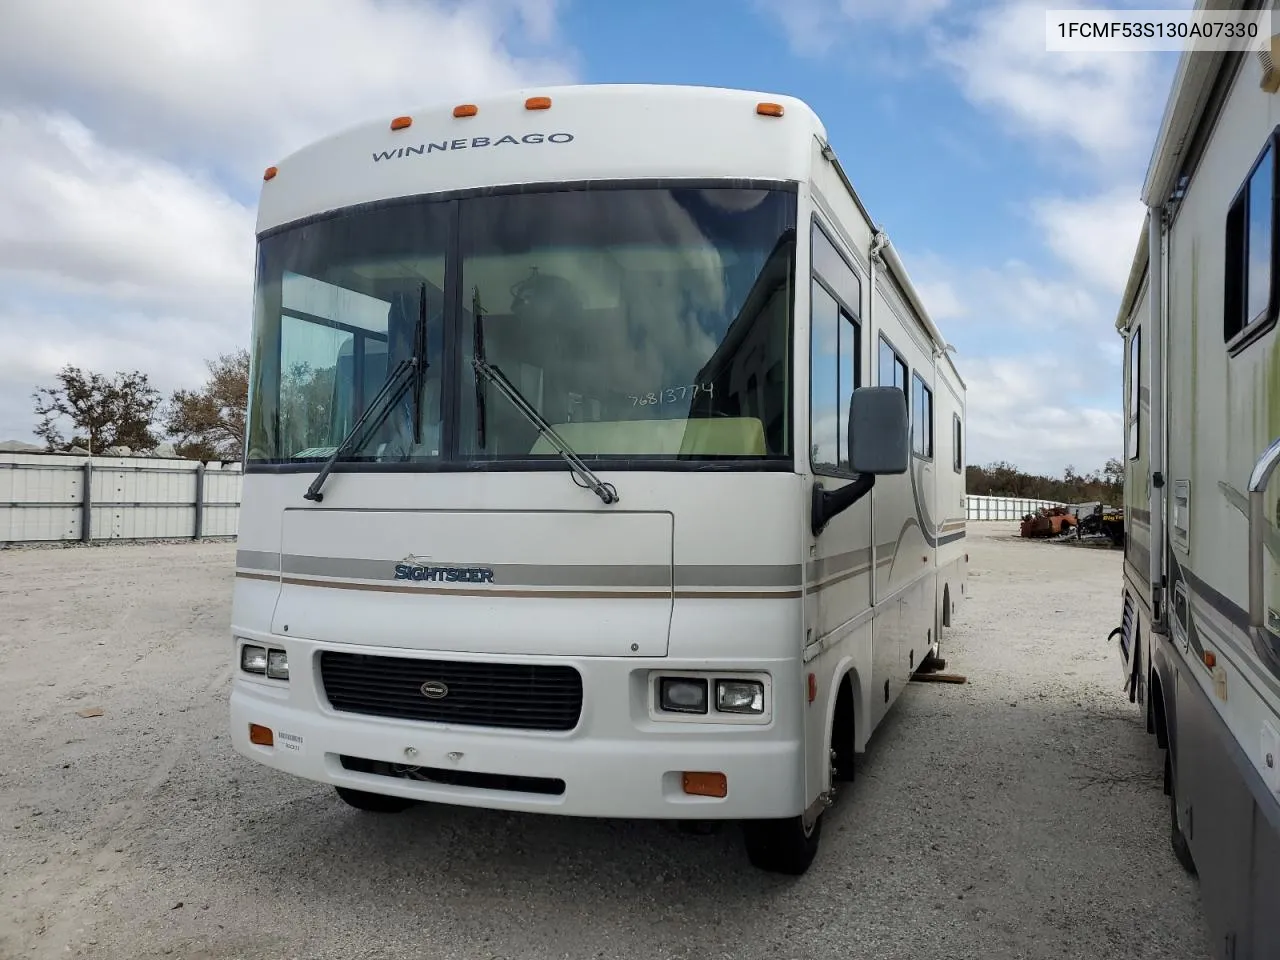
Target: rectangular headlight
{"x": 682, "y": 694}
{"x": 278, "y": 664}
{"x": 740, "y": 696}
{"x": 253, "y": 659}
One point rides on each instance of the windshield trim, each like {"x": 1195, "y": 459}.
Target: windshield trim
{"x": 553, "y": 186}
{"x": 451, "y": 399}
{"x": 601, "y": 464}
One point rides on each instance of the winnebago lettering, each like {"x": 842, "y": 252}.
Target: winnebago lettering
{"x": 664, "y": 406}
{"x": 474, "y": 143}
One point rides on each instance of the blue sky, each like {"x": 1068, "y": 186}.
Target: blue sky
{"x": 1007, "y": 176}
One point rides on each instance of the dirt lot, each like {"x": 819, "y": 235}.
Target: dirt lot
{"x": 1017, "y": 816}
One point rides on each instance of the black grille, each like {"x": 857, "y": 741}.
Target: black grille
{"x": 520, "y": 696}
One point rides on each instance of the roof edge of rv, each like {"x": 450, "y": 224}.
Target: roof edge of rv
{"x": 1184, "y": 111}
{"x": 1137, "y": 274}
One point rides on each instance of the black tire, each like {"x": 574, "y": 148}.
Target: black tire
{"x": 374, "y": 802}
{"x": 1181, "y": 849}
{"x": 782, "y": 846}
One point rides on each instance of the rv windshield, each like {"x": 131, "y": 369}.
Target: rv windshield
{"x": 644, "y": 324}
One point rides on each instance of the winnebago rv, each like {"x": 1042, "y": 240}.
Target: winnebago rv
{"x": 1200, "y": 637}
{"x": 602, "y": 461}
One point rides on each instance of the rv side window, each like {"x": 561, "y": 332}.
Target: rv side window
{"x": 922, "y": 418}
{"x": 833, "y": 375}
{"x": 835, "y": 352}
{"x": 1249, "y": 290}
{"x": 893, "y": 369}
{"x": 957, "y": 462}
{"x": 1135, "y": 393}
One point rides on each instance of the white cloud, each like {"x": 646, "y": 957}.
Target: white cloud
{"x": 76, "y": 215}
{"x": 121, "y": 246}
{"x": 1096, "y": 236}
{"x": 1012, "y": 297}
{"x": 1100, "y": 103}
{"x": 1023, "y": 409}
{"x": 242, "y": 82}
{"x": 813, "y": 27}
{"x": 940, "y": 296}
{"x": 1035, "y": 349}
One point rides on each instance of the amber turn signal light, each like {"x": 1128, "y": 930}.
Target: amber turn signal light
{"x": 706, "y": 784}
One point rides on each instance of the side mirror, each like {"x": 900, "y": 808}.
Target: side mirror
{"x": 879, "y": 443}
{"x": 879, "y": 435}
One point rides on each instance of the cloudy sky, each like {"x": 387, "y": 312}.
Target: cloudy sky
{"x": 133, "y": 134}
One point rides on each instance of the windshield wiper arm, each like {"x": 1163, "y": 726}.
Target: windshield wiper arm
{"x": 420, "y": 363}
{"x": 397, "y": 380}
{"x": 605, "y": 491}
{"x": 392, "y": 389}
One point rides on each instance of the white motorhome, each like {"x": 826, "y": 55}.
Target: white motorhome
{"x": 602, "y": 461}
{"x": 1199, "y": 642}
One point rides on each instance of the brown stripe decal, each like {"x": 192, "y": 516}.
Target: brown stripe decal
{"x": 551, "y": 594}
{"x": 244, "y": 575}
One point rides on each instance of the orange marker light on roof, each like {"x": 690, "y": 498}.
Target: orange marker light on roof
{"x": 399, "y": 123}
{"x": 538, "y": 103}
{"x": 465, "y": 110}
{"x": 769, "y": 109}
{"x": 269, "y": 173}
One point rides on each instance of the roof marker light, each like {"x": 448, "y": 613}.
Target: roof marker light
{"x": 269, "y": 173}
{"x": 399, "y": 123}
{"x": 465, "y": 110}
{"x": 769, "y": 109}
{"x": 538, "y": 103}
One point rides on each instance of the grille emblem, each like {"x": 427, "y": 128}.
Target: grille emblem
{"x": 434, "y": 690}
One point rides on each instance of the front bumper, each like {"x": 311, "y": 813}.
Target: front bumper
{"x": 617, "y": 762}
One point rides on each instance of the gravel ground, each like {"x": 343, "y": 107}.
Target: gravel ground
{"x": 1017, "y": 816}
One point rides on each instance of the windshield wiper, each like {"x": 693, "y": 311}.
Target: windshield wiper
{"x": 605, "y": 491}
{"x": 385, "y": 401}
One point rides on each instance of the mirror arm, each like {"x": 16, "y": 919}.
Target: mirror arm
{"x": 829, "y": 503}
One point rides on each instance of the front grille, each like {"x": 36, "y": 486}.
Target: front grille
{"x": 511, "y": 695}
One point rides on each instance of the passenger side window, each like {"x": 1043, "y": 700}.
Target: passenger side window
{"x": 1249, "y": 307}
{"x": 922, "y": 418}
{"x": 957, "y": 462}
{"x": 893, "y": 369}
{"x": 1135, "y": 394}
{"x": 835, "y": 354}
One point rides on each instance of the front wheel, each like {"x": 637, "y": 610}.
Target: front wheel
{"x": 782, "y": 846}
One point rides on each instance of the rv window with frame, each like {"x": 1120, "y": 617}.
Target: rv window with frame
{"x": 1250, "y": 288}
{"x": 835, "y": 355}
{"x": 922, "y": 418}
{"x": 957, "y": 457}
{"x": 893, "y": 369}
{"x": 1135, "y": 392}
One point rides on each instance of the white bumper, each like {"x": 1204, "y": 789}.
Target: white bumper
{"x": 617, "y": 762}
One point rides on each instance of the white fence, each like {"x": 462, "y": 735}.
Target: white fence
{"x": 1003, "y": 508}
{"x": 43, "y": 498}
{"x": 49, "y": 497}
